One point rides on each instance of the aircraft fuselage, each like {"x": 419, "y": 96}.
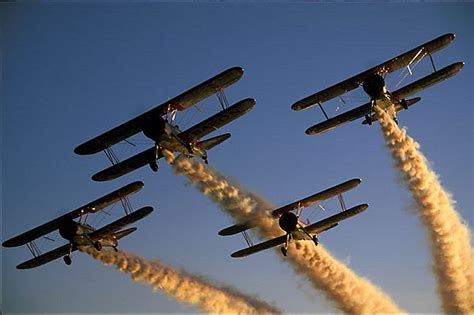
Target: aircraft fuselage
{"x": 80, "y": 235}
{"x": 166, "y": 136}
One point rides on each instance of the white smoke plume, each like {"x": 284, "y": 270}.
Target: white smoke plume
{"x": 449, "y": 238}
{"x": 349, "y": 292}
{"x": 182, "y": 286}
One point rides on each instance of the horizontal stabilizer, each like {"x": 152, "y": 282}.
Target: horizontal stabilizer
{"x": 212, "y": 142}
{"x": 91, "y": 207}
{"x": 235, "y": 229}
{"x": 318, "y": 197}
{"x": 120, "y": 234}
{"x": 398, "y": 107}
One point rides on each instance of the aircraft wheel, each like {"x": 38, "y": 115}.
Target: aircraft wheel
{"x": 115, "y": 249}
{"x": 284, "y": 251}
{"x": 67, "y": 260}
{"x": 98, "y": 245}
{"x": 315, "y": 240}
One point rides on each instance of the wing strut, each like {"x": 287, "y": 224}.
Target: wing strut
{"x": 34, "y": 249}
{"x": 247, "y": 238}
{"x": 342, "y": 202}
{"x": 222, "y": 98}
{"x": 111, "y": 155}
{"x": 432, "y": 62}
{"x": 324, "y": 112}
{"x": 127, "y": 206}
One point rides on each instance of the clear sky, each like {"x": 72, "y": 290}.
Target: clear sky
{"x": 72, "y": 71}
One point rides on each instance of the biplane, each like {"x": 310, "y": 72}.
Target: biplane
{"x": 158, "y": 125}
{"x": 295, "y": 228}
{"x": 79, "y": 233}
{"x": 373, "y": 83}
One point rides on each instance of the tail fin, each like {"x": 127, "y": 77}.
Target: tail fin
{"x": 118, "y": 235}
{"x": 212, "y": 142}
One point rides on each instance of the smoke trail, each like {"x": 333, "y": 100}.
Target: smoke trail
{"x": 350, "y": 293}
{"x": 182, "y": 286}
{"x": 448, "y": 237}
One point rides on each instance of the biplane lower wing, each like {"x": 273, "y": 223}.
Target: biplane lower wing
{"x": 328, "y": 223}
{"x": 91, "y": 207}
{"x": 180, "y": 103}
{"x": 259, "y": 247}
{"x": 428, "y": 80}
{"x": 128, "y": 165}
{"x": 120, "y": 223}
{"x": 389, "y": 66}
{"x": 343, "y": 118}
{"x": 217, "y": 121}
{"x": 318, "y": 197}
{"x": 315, "y": 228}
{"x": 46, "y": 257}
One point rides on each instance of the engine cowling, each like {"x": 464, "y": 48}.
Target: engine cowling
{"x": 155, "y": 127}
{"x": 68, "y": 229}
{"x": 288, "y": 222}
{"x": 374, "y": 85}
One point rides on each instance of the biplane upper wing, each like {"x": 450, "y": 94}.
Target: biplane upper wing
{"x": 180, "y": 103}
{"x": 315, "y": 228}
{"x": 391, "y": 65}
{"x": 217, "y": 121}
{"x": 120, "y": 223}
{"x": 399, "y": 95}
{"x": 46, "y": 257}
{"x": 128, "y": 165}
{"x": 318, "y": 197}
{"x": 91, "y": 207}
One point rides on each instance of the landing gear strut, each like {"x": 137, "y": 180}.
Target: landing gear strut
{"x": 97, "y": 245}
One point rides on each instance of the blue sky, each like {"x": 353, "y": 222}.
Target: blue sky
{"x": 72, "y": 71}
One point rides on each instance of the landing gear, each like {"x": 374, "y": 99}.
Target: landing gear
{"x": 67, "y": 260}
{"x": 395, "y": 120}
{"x": 315, "y": 240}
{"x": 97, "y": 245}
{"x": 368, "y": 119}
{"x": 284, "y": 251}
{"x": 205, "y": 161}
{"x": 115, "y": 248}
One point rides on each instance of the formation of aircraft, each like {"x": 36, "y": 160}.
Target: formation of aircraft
{"x": 79, "y": 233}
{"x": 373, "y": 83}
{"x": 158, "y": 125}
{"x": 293, "y": 226}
